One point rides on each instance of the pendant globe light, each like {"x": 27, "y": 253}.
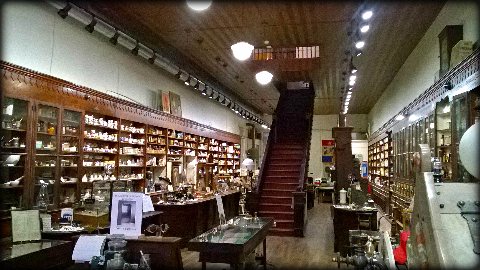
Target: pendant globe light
{"x": 264, "y": 77}
{"x": 199, "y": 5}
{"x": 242, "y": 50}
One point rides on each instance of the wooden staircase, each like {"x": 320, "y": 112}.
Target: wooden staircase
{"x": 285, "y": 163}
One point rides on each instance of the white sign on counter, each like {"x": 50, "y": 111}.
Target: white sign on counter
{"x": 126, "y": 215}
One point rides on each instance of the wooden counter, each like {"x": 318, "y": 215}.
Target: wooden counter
{"x": 194, "y": 218}
{"x": 346, "y": 218}
{"x": 44, "y": 254}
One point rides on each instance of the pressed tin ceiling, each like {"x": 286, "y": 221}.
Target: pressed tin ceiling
{"x": 199, "y": 42}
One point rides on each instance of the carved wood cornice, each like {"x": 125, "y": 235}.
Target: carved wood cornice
{"x": 50, "y": 85}
{"x": 456, "y": 77}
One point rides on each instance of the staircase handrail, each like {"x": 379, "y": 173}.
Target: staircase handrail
{"x": 270, "y": 138}
{"x": 301, "y": 181}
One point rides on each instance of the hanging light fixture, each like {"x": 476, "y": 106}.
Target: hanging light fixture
{"x": 135, "y": 50}
{"x": 242, "y": 50}
{"x": 264, "y": 77}
{"x": 151, "y": 60}
{"x": 359, "y": 44}
{"x": 364, "y": 28}
{"x": 353, "y": 69}
{"x": 199, "y": 5}
{"x": 114, "y": 39}
{"x": 64, "y": 11}
{"x": 91, "y": 26}
{"x": 366, "y": 15}
{"x": 399, "y": 117}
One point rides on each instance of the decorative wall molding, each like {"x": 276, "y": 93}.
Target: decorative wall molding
{"x": 43, "y": 84}
{"x": 465, "y": 74}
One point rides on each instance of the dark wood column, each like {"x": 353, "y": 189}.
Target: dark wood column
{"x": 343, "y": 156}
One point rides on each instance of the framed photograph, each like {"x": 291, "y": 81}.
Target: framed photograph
{"x": 166, "y": 101}
{"x": 327, "y": 150}
{"x": 175, "y": 105}
{"x": 126, "y": 217}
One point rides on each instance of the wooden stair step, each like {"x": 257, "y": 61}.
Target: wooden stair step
{"x": 281, "y": 179}
{"x": 288, "y": 162}
{"x": 284, "y": 166}
{"x": 278, "y": 199}
{"x": 282, "y": 186}
{"x": 277, "y": 215}
{"x": 286, "y": 158}
{"x": 281, "y": 232}
{"x": 273, "y": 207}
{"x": 287, "y": 146}
{"x": 284, "y": 224}
{"x": 276, "y": 192}
{"x": 290, "y": 175}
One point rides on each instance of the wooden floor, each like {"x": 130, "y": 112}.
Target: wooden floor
{"x": 314, "y": 251}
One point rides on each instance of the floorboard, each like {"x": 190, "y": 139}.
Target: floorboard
{"x": 314, "y": 251}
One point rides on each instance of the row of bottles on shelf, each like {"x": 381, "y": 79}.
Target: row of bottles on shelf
{"x": 131, "y": 151}
{"x": 94, "y": 121}
{"x": 136, "y": 162}
{"x": 155, "y": 149}
{"x": 132, "y": 129}
{"x": 175, "y": 134}
{"x": 403, "y": 189}
{"x": 380, "y": 163}
{"x": 381, "y": 171}
{"x": 99, "y": 135}
{"x": 99, "y": 148}
{"x": 155, "y": 161}
{"x": 445, "y": 140}
{"x": 156, "y": 140}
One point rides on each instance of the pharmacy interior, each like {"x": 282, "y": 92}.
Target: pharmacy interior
{"x": 115, "y": 156}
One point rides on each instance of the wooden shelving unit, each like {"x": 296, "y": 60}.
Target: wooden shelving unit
{"x": 380, "y": 164}
{"x": 80, "y": 141}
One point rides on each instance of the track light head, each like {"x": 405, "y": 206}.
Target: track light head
{"x": 114, "y": 39}
{"x": 447, "y": 85}
{"x": 91, "y": 26}
{"x": 64, "y": 11}
{"x": 151, "y": 60}
{"x": 135, "y": 50}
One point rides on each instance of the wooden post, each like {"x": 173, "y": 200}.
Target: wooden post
{"x": 343, "y": 157}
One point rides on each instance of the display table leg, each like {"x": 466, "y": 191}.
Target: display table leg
{"x": 264, "y": 259}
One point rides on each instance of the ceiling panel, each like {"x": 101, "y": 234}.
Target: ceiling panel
{"x": 200, "y": 42}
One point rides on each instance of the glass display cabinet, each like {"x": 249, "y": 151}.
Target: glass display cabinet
{"x": 444, "y": 137}
{"x": 14, "y": 146}
{"x": 46, "y": 169}
{"x": 175, "y": 152}
{"x": 156, "y": 153}
{"x": 100, "y": 150}
{"x": 70, "y": 157}
{"x": 132, "y": 153}
{"x": 380, "y": 158}
{"x": 462, "y": 119}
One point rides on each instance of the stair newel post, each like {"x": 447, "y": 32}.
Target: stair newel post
{"x": 343, "y": 157}
{"x": 299, "y": 210}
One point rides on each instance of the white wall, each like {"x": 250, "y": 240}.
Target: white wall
{"x": 419, "y": 70}
{"x": 360, "y": 147}
{"x": 35, "y": 37}
{"x": 322, "y": 130}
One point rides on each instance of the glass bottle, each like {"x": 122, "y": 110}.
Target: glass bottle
{"x": 437, "y": 170}
{"x": 42, "y": 198}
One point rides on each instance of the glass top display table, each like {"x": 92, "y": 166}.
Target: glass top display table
{"x": 232, "y": 242}
{"x": 43, "y": 254}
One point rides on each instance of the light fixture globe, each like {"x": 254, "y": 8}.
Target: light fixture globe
{"x": 242, "y": 50}
{"x": 248, "y": 164}
{"x": 199, "y": 5}
{"x": 264, "y": 77}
